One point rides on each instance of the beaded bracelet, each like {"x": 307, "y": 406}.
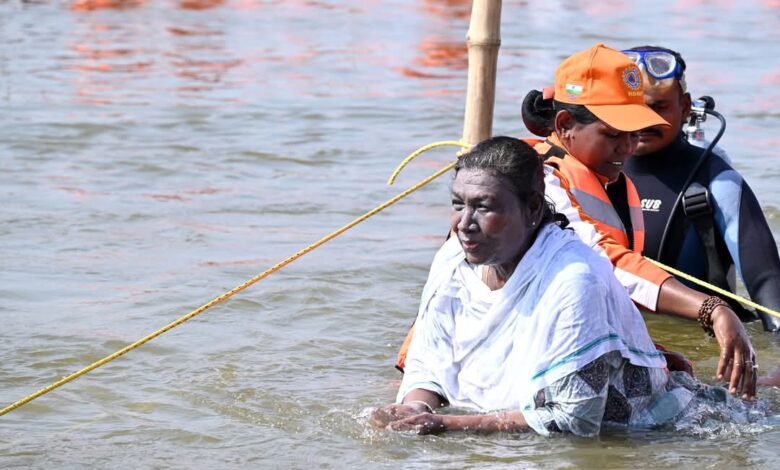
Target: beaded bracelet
{"x": 705, "y": 313}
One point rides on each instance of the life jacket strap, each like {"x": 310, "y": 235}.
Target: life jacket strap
{"x": 697, "y": 206}
{"x": 553, "y": 151}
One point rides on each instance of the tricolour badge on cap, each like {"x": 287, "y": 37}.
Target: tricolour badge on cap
{"x": 573, "y": 90}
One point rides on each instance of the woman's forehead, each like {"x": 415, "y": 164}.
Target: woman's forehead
{"x": 481, "y": 182}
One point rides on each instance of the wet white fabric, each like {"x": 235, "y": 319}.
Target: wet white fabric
{"x": 560, "y": 309}
{"x": 642, "y": 291}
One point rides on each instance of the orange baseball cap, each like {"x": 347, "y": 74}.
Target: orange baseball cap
{"x": 609, "y": 84}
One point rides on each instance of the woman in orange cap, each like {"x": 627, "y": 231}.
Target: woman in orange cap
{"x": 592, "y": 120}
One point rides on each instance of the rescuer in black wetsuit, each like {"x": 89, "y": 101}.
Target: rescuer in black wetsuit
{"x": 727, "y": 235}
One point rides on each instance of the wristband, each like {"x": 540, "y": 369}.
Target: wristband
{"x": 705, "y": 313}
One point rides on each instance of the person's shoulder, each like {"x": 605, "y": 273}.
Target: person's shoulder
{"x": 716, "y": 162}
{"x": 551, "y": 169}
{"x": 553, "y": 176}
{"x": 577, "y": 260}
{"x": 573, "y": 278}
{"x": 717, "y": 150}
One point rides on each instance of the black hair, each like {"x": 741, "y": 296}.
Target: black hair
{"x": 520, "y": 165}
{"x": 539, "y": 113}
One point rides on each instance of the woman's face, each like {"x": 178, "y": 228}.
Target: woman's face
{"x": 598, "y": 146}
{"x": 491, "y": 223}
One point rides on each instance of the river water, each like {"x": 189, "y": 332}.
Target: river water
{"x": 158, "y": 153}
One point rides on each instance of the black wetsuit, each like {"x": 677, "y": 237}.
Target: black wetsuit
{"x": 742, "y": 238}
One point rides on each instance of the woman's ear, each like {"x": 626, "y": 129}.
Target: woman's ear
{"x": 536, "y": 209}
{"x": 564, "y": 122}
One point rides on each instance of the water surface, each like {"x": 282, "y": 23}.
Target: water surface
{"x": 158, "y": 153}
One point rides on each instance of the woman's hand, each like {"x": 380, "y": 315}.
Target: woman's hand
{"x": 423, "y": 423}
{"x": 381, "y": 417}
{"x": 737, "y": 359}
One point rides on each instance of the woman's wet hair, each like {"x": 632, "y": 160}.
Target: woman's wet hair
{"x": 539, "y": 113}
{"x": 520, "y": 165}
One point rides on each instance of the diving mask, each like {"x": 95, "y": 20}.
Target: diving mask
{"x": 660, "y": 67}
{"x": 659, "y": 64}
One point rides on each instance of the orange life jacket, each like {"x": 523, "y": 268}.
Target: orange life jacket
{"x": 400, "y": 361}
{"x": 589, "y": 191}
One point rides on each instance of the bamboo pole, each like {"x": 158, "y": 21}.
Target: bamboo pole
{"x": 483, "y": 40}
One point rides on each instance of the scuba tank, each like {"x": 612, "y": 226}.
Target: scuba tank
{"x": 698, "y": 115}
{"x": 693, "y": 128}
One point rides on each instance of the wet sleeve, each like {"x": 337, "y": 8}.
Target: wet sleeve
{"x": 741, "y": 223}
{"x": 573, "y": 404}
{"x": 642, "y": 278}
{"x": 430, "y": 350}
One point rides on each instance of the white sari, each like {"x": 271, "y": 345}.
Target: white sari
{"x": 561, "y": 309}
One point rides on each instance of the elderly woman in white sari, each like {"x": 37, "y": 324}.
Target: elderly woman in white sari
{"x": 522, "y": 323}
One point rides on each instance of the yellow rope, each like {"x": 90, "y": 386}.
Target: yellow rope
{"x": 243, "y": 286}
{"x": 717, "y": 289}
{"x": 310, "y": 248}
{"x": 423, "y": 149}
